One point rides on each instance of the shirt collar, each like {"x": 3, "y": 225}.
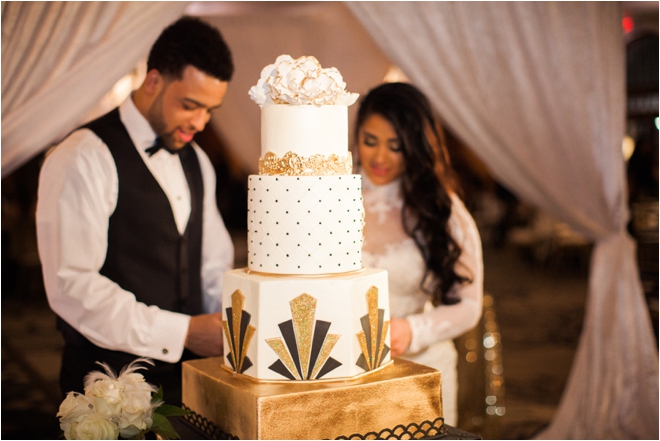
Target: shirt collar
{"x": 139, "y": 129}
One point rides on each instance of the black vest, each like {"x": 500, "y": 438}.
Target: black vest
{"x": 146, "y": 254}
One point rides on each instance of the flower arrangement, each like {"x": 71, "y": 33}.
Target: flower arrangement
{"x": 300, "y": 81}
{"x": 114, "y": 406}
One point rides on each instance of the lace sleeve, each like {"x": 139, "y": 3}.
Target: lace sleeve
{"x": 450, "y": 321}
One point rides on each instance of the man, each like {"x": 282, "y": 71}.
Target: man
{"x": 132, "y": 245}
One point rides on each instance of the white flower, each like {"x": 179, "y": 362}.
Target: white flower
{"x": 136, "y": 396}
{"x": 132, "y": 424}
{"x": 302, "y": 82}
{"x": 136, "y": 405}
{"x": 73, "y": 406}
{"x": 72, "y": 410}
{"x": 112, "y": 405}
{"x": 93, "y": 426}
{"x": 106, "y": 395}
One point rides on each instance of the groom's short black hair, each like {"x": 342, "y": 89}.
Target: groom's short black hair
{"x": 190, "y": 41}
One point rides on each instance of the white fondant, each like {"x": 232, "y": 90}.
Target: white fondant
{"x": 341, "y": 300}
{"x": 305, "y": 224}
{"x": 304, "y": 130}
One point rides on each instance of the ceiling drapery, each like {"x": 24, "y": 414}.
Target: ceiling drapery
{"x": 60, "y": 58}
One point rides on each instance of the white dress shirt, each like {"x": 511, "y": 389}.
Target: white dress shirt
{"x": 78, "y": 190}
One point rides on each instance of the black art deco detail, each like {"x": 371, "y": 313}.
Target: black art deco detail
{"x": 305, "y": 346}
{"x": 373, "y": 334}
{"x": 238, "y": 332}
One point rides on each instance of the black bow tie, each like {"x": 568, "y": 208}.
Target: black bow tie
{"x": 159, "y": 144}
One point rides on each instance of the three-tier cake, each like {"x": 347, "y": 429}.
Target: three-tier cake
{"x": 306, "y": 327}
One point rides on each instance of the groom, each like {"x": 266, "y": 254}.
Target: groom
{"x": 132, "y": 245}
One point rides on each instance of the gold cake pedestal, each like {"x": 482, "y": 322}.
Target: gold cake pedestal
{"x": 402, "y": 394}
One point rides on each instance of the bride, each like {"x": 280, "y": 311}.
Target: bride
{"x": 418, "y": 229}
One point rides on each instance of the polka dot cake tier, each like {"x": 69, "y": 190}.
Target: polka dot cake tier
{"x": 305, "y": 224}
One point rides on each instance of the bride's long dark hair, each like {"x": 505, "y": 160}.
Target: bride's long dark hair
{"x": 426, "y": 184}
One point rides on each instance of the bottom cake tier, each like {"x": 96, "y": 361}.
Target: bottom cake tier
{"x": 403, "y": 396}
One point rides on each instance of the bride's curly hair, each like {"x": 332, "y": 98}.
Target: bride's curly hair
{"x": 426, "y": 184}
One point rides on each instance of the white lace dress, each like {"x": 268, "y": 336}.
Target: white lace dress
{"x": 387, "y": 246}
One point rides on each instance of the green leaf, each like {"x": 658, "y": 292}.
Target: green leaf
{"x": 169, "y": 410}
{"x": 158, "y": 396}
{"x": 163, "y": 427}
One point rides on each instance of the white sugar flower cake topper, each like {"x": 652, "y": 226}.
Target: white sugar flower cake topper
{"x": 301, "y": 81}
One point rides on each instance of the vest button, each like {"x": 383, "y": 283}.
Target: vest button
{"x": 165, "y": 351}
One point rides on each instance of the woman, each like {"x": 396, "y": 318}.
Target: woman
{"x": 418, "y": 229}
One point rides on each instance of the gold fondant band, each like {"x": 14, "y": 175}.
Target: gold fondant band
{"x": 316, "y": 165}
{"x": 303, "y": 276}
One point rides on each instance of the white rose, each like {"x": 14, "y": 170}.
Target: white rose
{"x": 74, "y": 406}
{"x": 136, "y": 397}
{"x": 106, "y": 395}
{"x": 110, "y": 389}
{"x": 135, "y": 404}
{"x": 132, "y": 424}
{"x": 72, "y": 410}
{"x": 94, "y": 426}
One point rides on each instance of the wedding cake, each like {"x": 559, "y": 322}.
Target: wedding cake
{"x": 306, "y": 327}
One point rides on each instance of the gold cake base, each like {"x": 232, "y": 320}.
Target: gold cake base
{"x": 402, "y": 393}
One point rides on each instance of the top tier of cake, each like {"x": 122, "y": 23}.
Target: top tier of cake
{"x": 304, "y": 110}
{"x": 304, "y": 130}
{"x": 305, "y": 210}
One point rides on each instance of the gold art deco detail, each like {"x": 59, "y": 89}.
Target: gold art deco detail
{"x": 316, "y": 165}
{"x": 239, "y": 333}
{"x": 372, "y": 336}
{"x": 305, "y": 346}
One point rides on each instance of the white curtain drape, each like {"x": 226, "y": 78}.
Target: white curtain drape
{"x": 537, "y": 89}
{"x": 60, "y": 58}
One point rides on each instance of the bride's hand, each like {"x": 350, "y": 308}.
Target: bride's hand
{"x": 400, "y": 336}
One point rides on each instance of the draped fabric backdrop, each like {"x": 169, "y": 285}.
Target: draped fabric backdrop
{"x": 60, "y": 58}
{"x": 538, "y": 91}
